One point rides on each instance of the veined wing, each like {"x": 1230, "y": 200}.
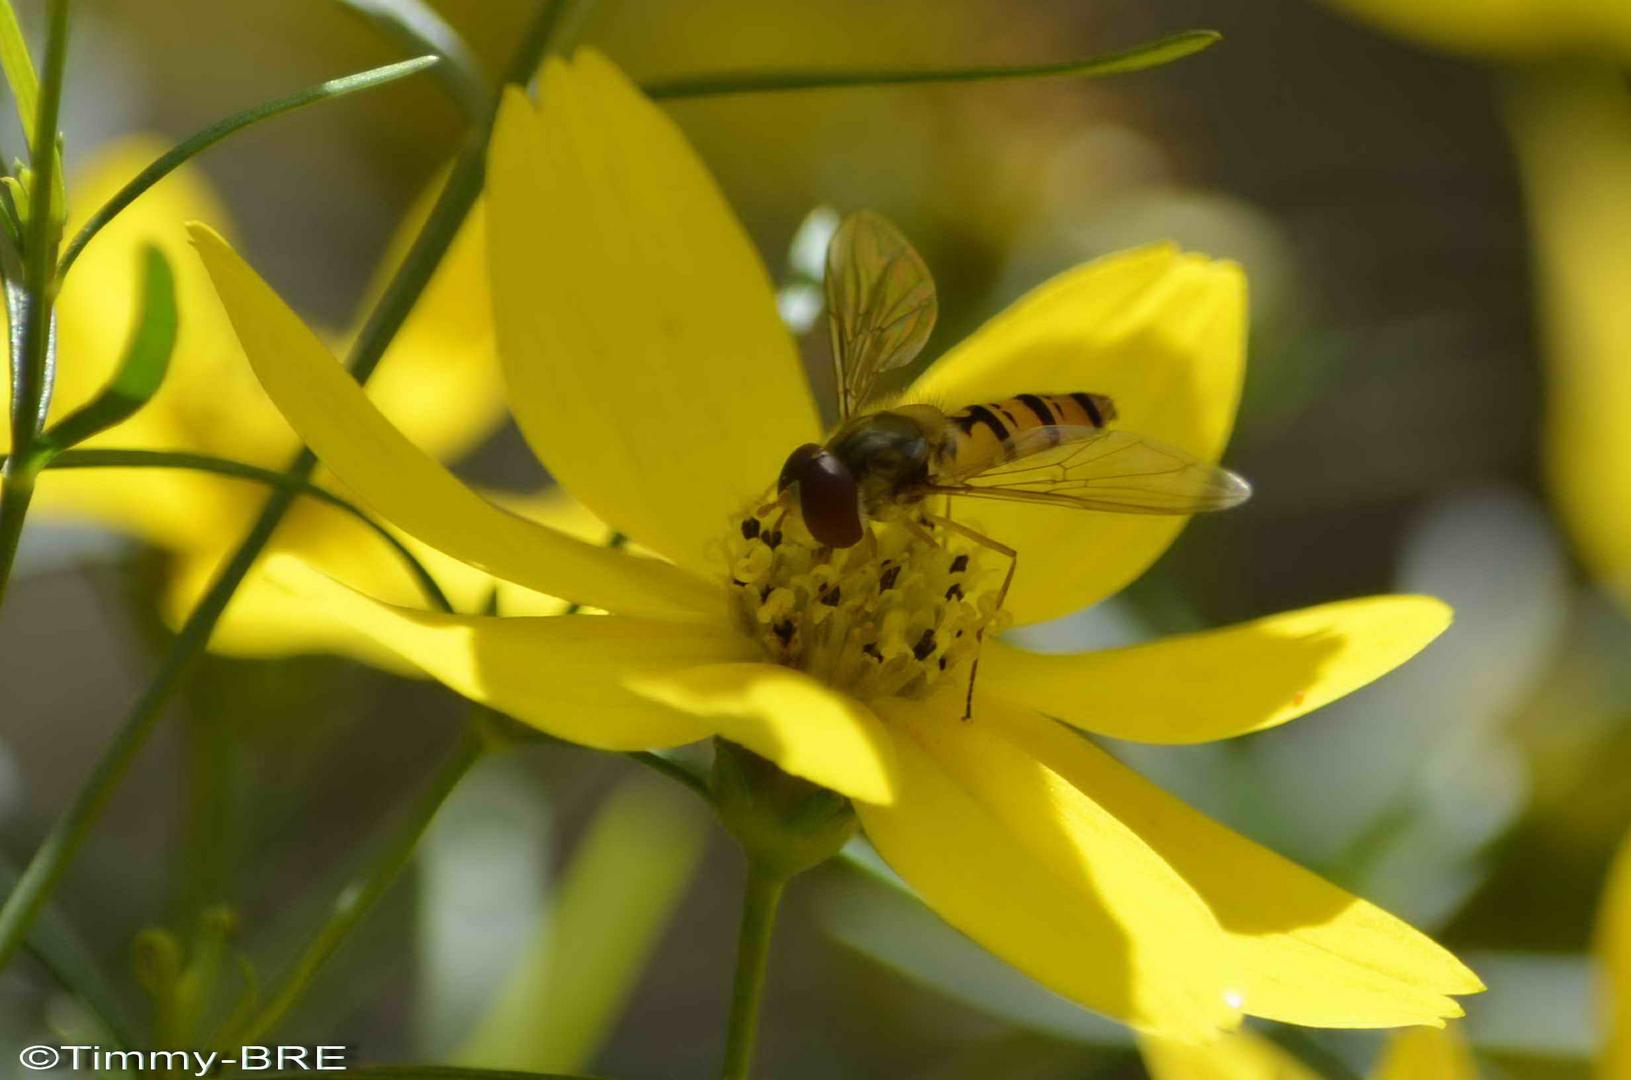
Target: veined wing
{"x": 880, "y": 304}
{"x": 1093, "y": 469}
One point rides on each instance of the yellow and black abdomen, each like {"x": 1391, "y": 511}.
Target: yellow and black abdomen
{"x": 999, "y": 431}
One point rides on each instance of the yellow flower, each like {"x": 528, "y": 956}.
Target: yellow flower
{"x": 439, "y": 381}
{"x": 647, "y": 367}
{"x": 1572, "y": 131}
{"x": 1506, "y": 29}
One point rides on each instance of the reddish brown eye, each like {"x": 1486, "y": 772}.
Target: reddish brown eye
{"x": 827, "y": 497}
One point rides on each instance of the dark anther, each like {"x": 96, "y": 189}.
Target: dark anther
{"x": 942, "y": 663}
{"x": 959, "y": 564}
{"x": 738, "y": 582}
{"x": 887, "y": 581}
{"x": 955, "y": 592}
{"x": 750, "y": 528}
{"x": 924, "y": 646}
{"x": 784, "y": 630}
{"x": 871, "y": 649}
{"x": 830, "y": 597}
{"x": 773, "y": 539}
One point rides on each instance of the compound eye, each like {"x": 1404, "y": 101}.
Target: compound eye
{"x": 828, "y": 500}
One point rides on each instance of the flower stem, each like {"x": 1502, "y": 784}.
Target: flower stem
{"x": 761, "y": 896}
{"x": 359, "y": 896}
{"x": 458, "y": 195}
{"x": 16, "y": 492}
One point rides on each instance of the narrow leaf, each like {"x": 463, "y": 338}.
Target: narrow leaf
{"x": 418, "y": 26}
{"x": 200, "y": 141}
{"x": 1138, "y": 58}
{"x": 19, "y": 69}
{"x": 142, "y": 368}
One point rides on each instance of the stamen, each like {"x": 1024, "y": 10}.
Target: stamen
{"x": 890, "y": 617}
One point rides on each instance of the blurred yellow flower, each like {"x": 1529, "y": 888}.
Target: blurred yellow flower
{"x": 1506, "y": 29}
{"x": 1572, "y": 131}
{"x": 648, "y": 369}
{"x": 439, "y": 381}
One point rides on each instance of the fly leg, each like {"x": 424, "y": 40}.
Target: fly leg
{"x": 1002, "y": 593}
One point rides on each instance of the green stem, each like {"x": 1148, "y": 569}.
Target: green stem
{"x": 761, "y": 896}
{"x": 31, "y": 342}
{"x": 112, "y": 458}
{"x": 459, "y": 194}
{"x": 358, "y": 898}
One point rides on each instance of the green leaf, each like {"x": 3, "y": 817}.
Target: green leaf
{"x": 418, "y": 25}
{"x": 200, "y": 141}
{"x": 142, "y": 368}
{"x": 62, "y": 952}
{"x": 19, "y": 69}
{"x": 1138, "y": 58}
{"x": 617, "y": 896}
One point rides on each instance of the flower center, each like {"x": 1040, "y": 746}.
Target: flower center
{"x": 889, "y": 617}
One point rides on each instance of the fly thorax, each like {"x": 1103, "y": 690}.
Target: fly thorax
{"x": 889, "y": 617}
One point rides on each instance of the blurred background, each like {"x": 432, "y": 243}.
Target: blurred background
{"x": 1425, "y": 412}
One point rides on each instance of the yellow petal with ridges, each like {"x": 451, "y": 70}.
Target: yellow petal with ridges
{"x": 565, "y": 675}
{"x": 1029, "y": 864}
{"x": 637, "y": 328}
{"x": 789, "y": 718}
{"x": 1571, "y": 128}
{"x": 1217, "y": 684}
{"x": 1614, "y": 957}
{"x": 1426, "y": 1053}
{"x": 1298, "y": 948}
{"x": 1160, "y": 331}
{"x": 407, "y": 488}
{"x": 1237, "y": 1055}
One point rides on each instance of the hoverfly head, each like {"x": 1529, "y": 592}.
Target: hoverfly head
{"x": 827, "y": 498}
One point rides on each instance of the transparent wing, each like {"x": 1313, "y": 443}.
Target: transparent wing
{"x": 880, "y": 304}
{"x": 1092, "y": 469}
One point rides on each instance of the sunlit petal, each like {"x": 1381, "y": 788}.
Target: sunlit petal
{"x": 1237, "y": 1055}
{"x": 1427, "y": 1053}
{"x": 1026, "y": 862}
{"x": 1164, "y": 334}
{"x": 565, "y": 675}
{"x": 786, "y": 716}
{"x": 412, "y": 491}
{"x": 1220, "y": 683}
{"x": 638, "y": 331}
{"x": 1299, "y": 949}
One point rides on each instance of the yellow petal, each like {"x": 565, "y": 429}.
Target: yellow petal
{"x": 1506, "y": 29}
{"x": 565, "y": 675}
{"x": 1026, "y": 861}
{"x": 439, "y": 381}
{"x": 1428, "y": 1054}
{"x": 1572, "y": 130}
{"x": 786, "y": 716}
{"x": 1238, "y": 1055}
{"x": 1299, "y": 949}
{"x": 638, "y": 331}
{"x": 1221, "y": 683}
{"x": 409, "y": 489}
{"x": 1164, "y": 334}
{"x": 1614, "y": 955}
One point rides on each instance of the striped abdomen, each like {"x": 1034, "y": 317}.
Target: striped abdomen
{"x": 997, "y": 432}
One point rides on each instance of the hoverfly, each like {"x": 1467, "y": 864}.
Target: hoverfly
{"x": 1052, "y": 448}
